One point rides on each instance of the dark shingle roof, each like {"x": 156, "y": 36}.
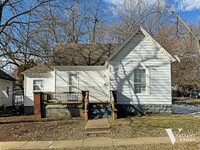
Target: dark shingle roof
{"x": 43, "y": 68}
{"x": 82, "y": 54}
{"x": 5, "y": 76}
{"x": 76, "y": 55}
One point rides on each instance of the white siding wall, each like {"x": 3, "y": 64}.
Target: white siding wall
{"x": 49, "y": 85}
{"x": 4, "y": 98}
{"x": 96, "y": 82}
{"x": 141, "y": 50}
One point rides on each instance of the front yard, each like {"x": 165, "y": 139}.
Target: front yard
{"x": 155, "y": 125}
{"x": 22, "y": 128}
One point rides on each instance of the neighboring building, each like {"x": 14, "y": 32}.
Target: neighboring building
{"x": 6, "y": 89}
{"x": 139, "y": 71}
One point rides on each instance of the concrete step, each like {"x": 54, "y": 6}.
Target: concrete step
{"x": 98, "y": 133}
{"x": 98, "y": 127}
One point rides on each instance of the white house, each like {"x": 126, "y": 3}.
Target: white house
{"x": 139, "y": 71}
{"x": 6, "y": 89}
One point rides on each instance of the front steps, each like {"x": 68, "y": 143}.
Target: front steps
{"x": 98, "y": 128}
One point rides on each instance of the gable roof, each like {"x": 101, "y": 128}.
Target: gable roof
{"x": 140, "y": 29}
{"x": 74, "y": 54}
{"x": 42, "y": 68}
{"x": 5, "y": 76}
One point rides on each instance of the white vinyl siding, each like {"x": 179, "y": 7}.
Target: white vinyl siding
{"x": 141, "y": 51}
{"x": 48, "y": 85}
{"x": 96, "y": 82}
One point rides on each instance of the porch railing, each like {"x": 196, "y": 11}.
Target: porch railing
{"x": 113, "y": 101}
{"x": 63, "y": 97}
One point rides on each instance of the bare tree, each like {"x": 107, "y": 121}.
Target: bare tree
{"x": 15, "y": 27}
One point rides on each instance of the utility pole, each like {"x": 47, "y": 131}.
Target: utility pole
{"x": 184, "y": 23}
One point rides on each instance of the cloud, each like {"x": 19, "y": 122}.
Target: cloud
{"x": 186, "y": 5}
{"x": 183, "y": 5}
{"x": 119, "y": 2}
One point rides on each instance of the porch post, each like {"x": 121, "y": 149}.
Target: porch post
{"x": 38, "y": 105}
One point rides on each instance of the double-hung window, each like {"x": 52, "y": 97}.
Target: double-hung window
{"x": 140, "y": 80}
{"x": 73, "y": 82}
{"x": 73, "y": 87}
{"x": 38, "y": 85}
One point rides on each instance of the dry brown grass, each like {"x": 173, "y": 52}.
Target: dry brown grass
{"x": 23, "y": 128}
{"x": 186, "y": 146}
{"x": 154, "y": 125}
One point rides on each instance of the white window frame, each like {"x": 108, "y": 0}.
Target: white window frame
{"x": 70, "y": 86}
{"x": 41, "y": 84}
{"x": 140, "y": 83}
{"x": 147, "y": 75}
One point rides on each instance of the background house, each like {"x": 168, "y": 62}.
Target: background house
{"x": 6, "y": 89}
{"x": 138, "y": 71}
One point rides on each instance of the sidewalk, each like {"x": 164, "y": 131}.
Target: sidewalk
{"x": 88, "y": 142}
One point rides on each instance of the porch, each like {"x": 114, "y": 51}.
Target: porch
{"x": 73, "y": 104}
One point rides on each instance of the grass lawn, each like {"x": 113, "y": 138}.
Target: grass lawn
{"x": 154, "y": 126}
{"x": 21, "y": 128}
{"x": 187, "y": 146}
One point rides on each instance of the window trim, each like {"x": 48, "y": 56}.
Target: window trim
{"x": 69, "y": 85}
{"x": 42, "y": 85}
{"x": 147, "y": 80}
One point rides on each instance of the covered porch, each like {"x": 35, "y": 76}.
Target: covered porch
{"x": 72, "y": 104}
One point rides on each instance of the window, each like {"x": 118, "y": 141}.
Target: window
{"x": 73, "y": 82}
{"x": 140, "y": 80}
{"x": 37, "y": 85}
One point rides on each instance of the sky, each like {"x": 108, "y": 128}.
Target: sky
{"x": 189, "y": 10}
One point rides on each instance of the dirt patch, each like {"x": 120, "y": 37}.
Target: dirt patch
{"x": 24, "y": 128}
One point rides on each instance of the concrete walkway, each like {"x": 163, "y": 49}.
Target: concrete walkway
{"x": 88, "y": 142}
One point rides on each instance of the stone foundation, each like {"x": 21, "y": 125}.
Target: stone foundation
{"x": 28, "y": 110}
{"x": 129, "y": 109}
{"x": 59, "y": 111}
